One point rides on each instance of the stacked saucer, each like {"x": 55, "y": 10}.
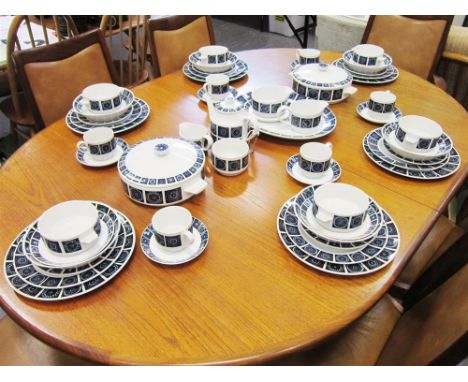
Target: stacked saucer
{"x": 368, "y": 64}
{"x": 338, "y": 229}
{"x": 73, "y": 248}
{"x": 415, "y": 147}
{"x": 214, "y": 59}
{"x": 106, "y": 105}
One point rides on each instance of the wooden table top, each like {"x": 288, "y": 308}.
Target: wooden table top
{"x": 246, "y": 299}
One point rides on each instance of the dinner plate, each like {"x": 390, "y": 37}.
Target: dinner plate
{"x": 47, "y": 288}
{"x": 83, "y": 156}
{"x": 141, "y": 114}
{"x": 331, "y": 175}
{"x": 363, "y": 110}
{"x": 155, "y": 253}
{"x": 386, "y": 73}
{"x": 355, "y": 263}
{"x": 361, "y": 79}
{"x": 240, "y": 70}
{"x": 303, "y": 205}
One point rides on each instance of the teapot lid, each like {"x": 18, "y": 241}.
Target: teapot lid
{"x": 230, "y": 105}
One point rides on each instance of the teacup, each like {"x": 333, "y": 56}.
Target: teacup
{"x": 340, "y": 207}
{"x": 102, "y": 98}
{"x": 308, "y": 56}
{"x": 381, "y": 103}
{"x": 173, "y": 228}
{"x": 99, "y": 142}
{"x": 196, "y": 133}
{"x": 303, "y": 115}
{"x": 368, "y": 55}
{"x": 268, "y": 99}
{"x": 418, "y": 133}
{"x": 213, "y": 54}
{"x": 230, "y": 156}
{"x": 245, "y": 128}
{"x": 314, "y": 158}
{"x": 70, "y": 227}
{"x": 216, "y": 86}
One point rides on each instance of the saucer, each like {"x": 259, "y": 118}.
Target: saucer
{"x": 303, "y": 206}
{"x": 86, "y": 159}
{"x": 239, "y": 70}
{"x": 390, "y": 75}
{"x": 38, "y": 253}
{"x": 331, "y": 175}
{"x": 201, "y": 94}
{"x": 31, "y": 283}
{"x": 363, "y": 110}
{"x": 155, "y": 253}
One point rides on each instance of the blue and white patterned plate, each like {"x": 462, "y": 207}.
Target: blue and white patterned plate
{"x": 390, "y": 75}
{"x": 36, "y": 251}
{"x": 29, "y": 282}
{"x": 377, "y": 254}
{"x": 140, "y": 113}
{"x": 329, "y": 176}
{"x": 202, "y": 93}
{"x": 348, "y": 59}
{"x": 363, "y": 110}
{"x": 83, "y": 156}
{"x": 239, "y": 70}
{"x": 449, "y": 168}
{"x": 153, "y": 252}
{"x": 194, "y": 59}
{"x": 377, "y": 146}
{"x": 304, "y": 203}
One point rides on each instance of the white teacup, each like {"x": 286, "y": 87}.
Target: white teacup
{"x": 172, "y": 227}
{"x": 230, "y": 156}
{"x": 196, "y": 133}
{"x": 213, "y": 54}
{"x": 381, "y": 103}
{"x": 308, "y": 56}
{"x": 268, "y": 99}
{"x": 70, "y": 227}
{"x": 303, "y": 115}
{"x": 102, "y": 98}
{"x": 314, "y": 158}
{"x": 340, "y": 207}
{"x": 368, "y": 55}
{"x": 217, "y": 86}
{"x": 99, "y": 142}
{"x": 418, "y": 133}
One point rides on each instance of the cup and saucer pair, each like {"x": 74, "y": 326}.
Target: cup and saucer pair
{"x": 380, "y": 108}
{"x": 174, "y": 237}
{"x": 314, "y": 164}
{"x": 100, "y": 148}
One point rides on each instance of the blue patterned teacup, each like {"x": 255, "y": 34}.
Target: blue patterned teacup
{"x": 230, "y": 156}
{"x": 99, "y": 142}
{"x": 308, "y": 56}
{"x": 418, "y": 133}
{"x": 303, "y": 115}
{"x": 267, "y": 100}
{"x": 217, "y": 86}
{"x": 172, "y": 227}
{"x": 102, "y": 98}
{"x": 314, "y": 158}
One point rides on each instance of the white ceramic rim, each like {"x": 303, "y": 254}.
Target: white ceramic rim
{"x": 307, "y": 108}
{"x": 211, "y": 50}
{"x": 271, "y": 94}
{"x": 346, "y": 192}
{"x": 369, "y": 50}
{"x": 308, "y": 53}
{"x": 315, "y": 152}
{"x": 383, "y": 96}
{"x": 217, "y": 79}
{"x": 172, "y": 220}
{"x": 94, "y": 92}
{"x": 426, "y": 128}
{"x": 230, "y": 148}
{"x": 192, "y": 131}
{"x": 98, "y": 135}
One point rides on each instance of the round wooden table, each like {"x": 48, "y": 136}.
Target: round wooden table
{"x": 246, "y": 299}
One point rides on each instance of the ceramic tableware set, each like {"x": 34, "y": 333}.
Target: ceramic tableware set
{"x": 174, "y": 237}
{"x": 106, "y": 105}
{"x": 313, "y": 165}
{"x": 368, "y": 64}
{"x": 338, "y": 229}
{"x": 217, "y": 88}
{"x": 380, "y": 108}
{"x": 73, "y": 248}
{"x": 414, "y": 146}
{"x": 214, "y": 59}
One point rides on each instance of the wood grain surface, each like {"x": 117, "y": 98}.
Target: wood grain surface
{"x": 246, "y": 299}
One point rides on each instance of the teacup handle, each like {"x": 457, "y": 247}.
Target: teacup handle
{"x": 205, "y": 87}
{"x": 330, "y": 145}
{"x": 189, "y": 236}
{"x": 283, "y": 113}
{"x": 323, "y": 216}
{"x": 245, "y": 127}
{"x": 82, "y": 145}
{"x": 89, "y": 238}
{"x": 207, "y": 142}
{"x": 380, "y": 60}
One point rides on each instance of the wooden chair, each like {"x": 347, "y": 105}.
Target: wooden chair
{"x": 54, "y": 75}
{"x": 130, "y": 58}
{"x": 415, "y": 43}
{"x": 429, "y": 328}
{"x": 173, "y": 38}
{"x": 15, "y": 107}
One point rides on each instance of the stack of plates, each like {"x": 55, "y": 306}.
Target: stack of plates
{"x": 131, "y": 113}
{"x": 382, "y": 148}
{"x": 235, "y": 68}
{"x": 359, "y": 252}
{"x": 388, "y": 73}
{"x": 36, "y": 272}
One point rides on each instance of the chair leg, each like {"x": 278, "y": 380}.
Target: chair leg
{"x": 14, "y": 131}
